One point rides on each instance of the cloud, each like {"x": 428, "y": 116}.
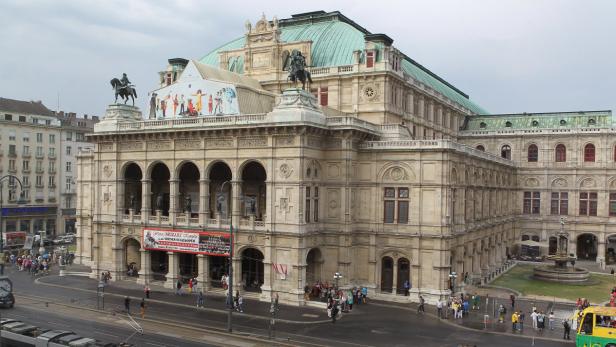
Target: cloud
{"x": 508, "y": 55}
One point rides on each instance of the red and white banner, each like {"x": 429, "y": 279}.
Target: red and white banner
{"x": 186, "y": 241}
{"x": 280, "y": 269}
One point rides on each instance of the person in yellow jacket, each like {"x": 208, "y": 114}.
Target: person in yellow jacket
{"x": 514, "y": 321}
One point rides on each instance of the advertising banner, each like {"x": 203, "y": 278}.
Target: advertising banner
{"x": 14, "y": 238}
{"x": 187, "y": 241}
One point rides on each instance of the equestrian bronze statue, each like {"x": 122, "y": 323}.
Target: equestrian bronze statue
{"x": 124, "y": 89}
{"x": 297, "y": 69}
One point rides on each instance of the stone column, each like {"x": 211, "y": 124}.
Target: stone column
{"x": 268, "y": 280}
{"x": 174, "y": 269}
{"x": 174, "y": 207}
{"x": 421, "y": 108}
{"x": 394, "y": 288}
{"x": 203, "y": 264}
{"x": 601, "y": 254}
{"x": 236, "y": 187}
{"x": 145, "y": 200}
{"x": 237, "y": 271}
{"x": 145, "y": 272}
{"x": 204, "y": 201}
{"x": 120, "y": 201}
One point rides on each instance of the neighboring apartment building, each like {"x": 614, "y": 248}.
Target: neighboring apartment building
{"x": 72, "y": 141}
{"x": 384, "y": 172}
{"x": 29, "y": 150}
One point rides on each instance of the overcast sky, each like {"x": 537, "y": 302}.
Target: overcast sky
{"x": 508, "y": 55}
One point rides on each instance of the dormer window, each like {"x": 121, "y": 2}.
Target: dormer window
{"x": 482, "y": 125}
{"x": 535, "y": 123}
{"x": 370, "y": 59}
{"x": 508, "y": 125}
{"x": 591, "y": 121}
{"x": 563, "y": 122}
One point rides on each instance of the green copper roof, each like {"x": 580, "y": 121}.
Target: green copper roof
{"x": 555, "y": 120}
{"x": 334, "y": 39}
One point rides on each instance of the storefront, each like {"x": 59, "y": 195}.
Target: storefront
{"x": 30, "y": 219}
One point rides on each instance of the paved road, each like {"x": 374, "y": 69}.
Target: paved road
{"x": 367, "y": 325}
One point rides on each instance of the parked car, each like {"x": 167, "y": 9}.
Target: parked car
{"x": 7, "y": 301}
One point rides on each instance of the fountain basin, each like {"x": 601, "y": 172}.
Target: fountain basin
{"x": 553, "y": 273}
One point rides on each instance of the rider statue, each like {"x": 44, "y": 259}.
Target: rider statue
{"x": 298, "y": 63}
{"x": 125, "y": 81}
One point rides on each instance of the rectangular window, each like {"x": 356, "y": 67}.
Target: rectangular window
{"x": 25, "y": 165}
{"x": 323, "y": 96}
{"x": 22, "y": 118}
{"x": 560, "y": 203}
{"x": 25, "y": 180}
{"x": 26, "y": 137}
{"x": 52, "y": 138}
{"x": 588, "y": 203}
{"x": 532, "y": 203}
{"x": 52, "y": 181}
{"x": 8, "y": 117}
{"x": 12, "y": 165}
{"x": 52, "y": 152}
{"x": 67, "y": 202}
{"x": 69, "y": 136}
{"x": 26, "y": 150}
{"x": 396, "y": 206}
{"x": 68, "y": 166}
{"x": 369, "y": 59}
{"x": 39, "y": 137}
{"x": 39, "y": 181}
{"x": 68, "y": 150}
{"x": 307, "y": 214}
{"x": 12, "y": 150}
{"x": 52, "y": 166}
{"x": 69, "y": 181}
{"x": 612, "y": 204}
{"x": 39, "y": 151}
{"x": 80, "y": 137}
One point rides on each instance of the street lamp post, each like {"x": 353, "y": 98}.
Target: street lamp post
{"x": 20, "y": 201}
{"x": 230, "y": 290}
{"x": 337, "y": 277}
{"x": 452, "y": 276}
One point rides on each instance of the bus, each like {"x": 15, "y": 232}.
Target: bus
{"x": 597, "y": 327}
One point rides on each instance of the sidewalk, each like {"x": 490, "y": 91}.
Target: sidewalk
{"x": 214, "y": 300}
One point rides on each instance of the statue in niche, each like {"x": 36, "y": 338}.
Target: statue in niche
{"x": 187, "y": 204}
{"x": 133, "y": 202}
{"x": 159, "y": 202}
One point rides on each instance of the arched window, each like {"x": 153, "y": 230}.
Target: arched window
{"x": 525, "y": 237}
{"x": 481, "y": 148}
{"x": 535, "y": 238}
{"x": 589, "y": 153}
{"x": 508, "y": 125}
{"x": 561, "y": 153}
{"x": 506, "y": 152}
{"x": 533, "y": 153}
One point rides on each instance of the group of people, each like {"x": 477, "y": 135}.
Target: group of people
{"x": 191, "y": 285}
{"x": 342, "y": 301}
{"x": 33, "y": 264}
{"x": 324, "y": 291}
{"x": 458, "y": 307}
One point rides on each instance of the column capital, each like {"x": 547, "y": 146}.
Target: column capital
{"x": 174, "y": 180}
{"x": 146, "y": 180}
{"x": 204, "y": 180}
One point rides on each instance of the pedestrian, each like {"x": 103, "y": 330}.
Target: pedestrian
{"x": 364, "y": 294}
{"x": 334, "y": 311}
{"x": 407, "y": 287}
{"x": 142, "y": 308}
{"x": 540, "y": 321}
{"x": 439, "y": 309}
{"x": 551, "y": 320}
{"x": 567, "y": 330}
{"x": 236, "y": 298}
{"x": 420, "y": 308}
{"x": 178, "y": 287}
{"x": 476, "y": 301}
{"x": 240, "y": 303}
{"x": 200, "y": 299}
{"x": 512, "y": 298}
{"x": 350, "y": 301}
{"x": 190, "y": 285}
{"x": 146, "y": 290}
{"x": 127, "y": 304}
{"x": 514, "y": 321}
{"x": 533, "y": 316}
{"x": 501, "y": 313}
{"x": 521, "y": 317}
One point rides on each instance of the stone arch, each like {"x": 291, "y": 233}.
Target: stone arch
{"x": 253, "y": 177}
{"x": 387, "y": 274}
{"x": 219, "y": 172}
{"x": 131, "y": 257}
{"x": 396, "y": 171}
{"x": 132, "y": 174}
{"x": 454, "y": 176}
{"x": 587, "y": 182}
{"x": 208, "y": 168}
{"x": 505, "y": 150}
{"x": 150, "y": 167}
{"x": 313, "y": 170}
{"x": 188, "y": 175}
{"x": 587, "y": 246}
{"x": 180, "y": 165}
{"x": 160, "y": 177}
{"x": 252, "y": 268}
{"x": 480, "y": 147}
{"x": 314, "y": 264}
{"x": 531, "y": 182}
{"x": 589, "y": 152}
{"x": 126, "y": 164}
{"x": 559, "y": 182}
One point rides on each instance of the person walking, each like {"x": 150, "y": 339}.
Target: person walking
{"x": 407, "y": 287}
{"x": 551, "y": 320}
{"x": 334, "y": 311}
{"x": 200, "y": 299}
{"x": 421, "y": 309}
{"x": 501, "y": 313}
{"x": 533, "y": 316}
{"x": 178, "y": 287}
{"x": 127, "y": 304}
{"x": 146, "y": 290}
{"x": 190, "y": 286}
{"x": 514, "y": 321}
{"x": 142, "y": 308}
{"x": 521, "y": 317}
{"x": 512, "y": 299}
{"x": 567, "y": 330}
{"x": 439, "y": 309}
{"x": 350, "y": 301}
{"x": 240, "y": 303}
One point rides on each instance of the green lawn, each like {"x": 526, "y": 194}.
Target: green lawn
{"x": 520, "y": 278}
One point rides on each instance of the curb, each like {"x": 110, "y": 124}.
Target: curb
{"x": 208, "y": 329}
{"x": 215, "y": 310}
{"x": 446, "y": 321}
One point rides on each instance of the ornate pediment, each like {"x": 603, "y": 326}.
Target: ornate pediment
{"x": 263, "y": 31}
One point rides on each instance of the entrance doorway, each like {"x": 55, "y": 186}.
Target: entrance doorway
{"x": 160, "y": 265}
{"x": 252, "y": 269}
{"x": 387, "y": 274}
{"x": 587, "y": 247}
{"x": 218, "y": 266}
{"x": 313, "y": 266}
{"x": 132, "y": 258}
{"x": 188, "y": 266}
{"x": 553, "y": 245}
{"x": 404, "y": 274}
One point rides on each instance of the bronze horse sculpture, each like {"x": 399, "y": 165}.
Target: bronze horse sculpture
{"x": 297, "y": 69}
{"x": 123, "y": 91}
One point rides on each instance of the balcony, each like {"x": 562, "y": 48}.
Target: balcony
{"x": 12, "y": 170}
{"x": 52, "y": 170}
{"x": 40, "y": 155}
{"x": 12, "y": 154}
{"x": 52, "y": 186}
{"x": 26, "y": 155}
{"x": 39, "y": 185}
{"x": 51, "y": 156}
{"x": 39, "y": 170}
{"x": 26, "y": 170}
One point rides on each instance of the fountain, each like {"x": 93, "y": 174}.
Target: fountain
{"x": 560, "y": 272}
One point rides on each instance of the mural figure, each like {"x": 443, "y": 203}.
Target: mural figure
{"x": 124, "y": 89}
{"x": 229, "y": 99}
{"x": 182, "y": 110}
{"x": 199, "y": 96}
{"x": 210, "y": 104}
{"x": 175, "y": 104}
{"x": 163, "y": 106}
{"x": 153, "y": 106}
{"x": 218, "y": 100}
